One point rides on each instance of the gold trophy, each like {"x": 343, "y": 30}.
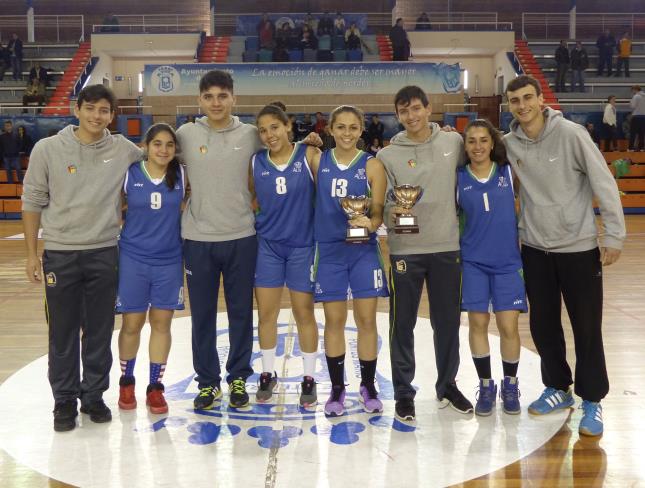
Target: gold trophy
{"x": 406, "y": 196}
{"x": 356, "y": 207}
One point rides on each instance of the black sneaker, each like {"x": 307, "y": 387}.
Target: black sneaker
{"x": 308, "y": 393}
{"x": 268, "y": 383}
{"x": 206, "y": 397}
{"x": 65, "y": 414}
{"x": 98, "y": 412}
{"x": 453, "y": 397}
{"x": 404, "y": 410}
{"x": 237, "y": 395}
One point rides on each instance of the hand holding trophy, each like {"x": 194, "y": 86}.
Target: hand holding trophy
{"x": 356, "y": 207}
{"x": 406, "y": 196}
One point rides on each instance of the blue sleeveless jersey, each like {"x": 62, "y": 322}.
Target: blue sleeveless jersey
{"x": 285, "y": 199}
{"x": 151, "y": 233}
{"x": 330, "y": 224}
{"x": 490, "y": 237}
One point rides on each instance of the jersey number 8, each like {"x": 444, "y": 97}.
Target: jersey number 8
{"x": 281, "y": 185}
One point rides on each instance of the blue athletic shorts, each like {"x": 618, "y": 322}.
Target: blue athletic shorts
{"x": 344, "y": 271}
{"x": 278, "y": 265}
{"x": 143, "y": 285}
{"x": 481, "y": 289}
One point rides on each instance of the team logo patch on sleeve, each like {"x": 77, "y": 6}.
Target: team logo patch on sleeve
{"x": 400, "y": 266}
{"x": 71, "y": 169}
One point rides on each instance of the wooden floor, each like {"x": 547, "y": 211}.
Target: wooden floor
{"x": 566, "y": 460}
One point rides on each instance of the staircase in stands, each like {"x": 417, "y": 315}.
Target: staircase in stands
{"x": 531, "y": 67}
{"x": 384, "y": 47}
{"x": 58, "y": 103}
{"x": 214, "y": 50}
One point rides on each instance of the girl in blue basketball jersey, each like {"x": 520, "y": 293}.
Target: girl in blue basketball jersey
{"x": 283, "y": 187}
{"x": 347, "y": 269}
{"x": 151, "y": 278}
{"x": 492, "y": 266}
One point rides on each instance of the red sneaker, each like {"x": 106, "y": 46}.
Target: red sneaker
{"x": 155, "y": 400}
{"x": 127, "y": 400}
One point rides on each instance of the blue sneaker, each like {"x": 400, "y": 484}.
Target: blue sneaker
{"x": 485, "y": 397}
{"x": 551, "y": 400}
{"x": 591, "y": 423}
{"x": 510, "y": 395}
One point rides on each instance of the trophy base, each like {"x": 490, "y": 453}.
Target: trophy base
{"x": 357, "y": 235}
{"x": 406, "y": 224}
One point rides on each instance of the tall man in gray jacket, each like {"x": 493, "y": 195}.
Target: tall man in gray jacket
{"x": 424, "y": 155}
{"x": 73, "y": 188}
{"x": 560, "y": 170}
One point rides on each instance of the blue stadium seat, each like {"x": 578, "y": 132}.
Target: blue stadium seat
{"x": 309, "y": 55}
{"x": 295, "y": 55}
{"x": 324, "y": 55}
{"x": 340, "y": 55}
{"x": 266, "y": 56}
{"x": 355, "y": 55}
{"x": 324, "y": 43}
{"x": 252, "y": 43}
{"x": 339, "y": 42}
{"x": 250, "y": 56}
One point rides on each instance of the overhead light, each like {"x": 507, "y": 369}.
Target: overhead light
{"x": 140, "y": 82}
{"x": 465, "y": 79}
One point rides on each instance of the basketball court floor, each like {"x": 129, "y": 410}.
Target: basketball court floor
{"x": 278, "y": 444}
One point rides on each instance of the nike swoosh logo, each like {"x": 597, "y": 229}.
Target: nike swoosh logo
{"x": 447, "y": 154}
{"x": 236, "y": 148}
{"x": 107, "y": 160}
{"x": 552, "y": 159}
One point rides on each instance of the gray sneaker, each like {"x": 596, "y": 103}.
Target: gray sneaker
{"x": 308, "y": 394}
{"x": 268, "y": 383}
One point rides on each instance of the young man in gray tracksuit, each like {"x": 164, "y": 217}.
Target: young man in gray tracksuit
{"x": 560, "y": 171}
{"x": 424, "y": 155}
{"x": 73, "y": 189}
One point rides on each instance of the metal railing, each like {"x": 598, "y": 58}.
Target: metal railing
{"x": 146, "y": 28}
{"x": 469, "y": 26}
{"x": 18, "y": 108}
{"x": 65, "y": 28}
{"x": 541, "y": 25}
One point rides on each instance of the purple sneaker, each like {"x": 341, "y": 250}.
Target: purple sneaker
{"x": 368, "y": 396}
{"x": 335, "y": 406}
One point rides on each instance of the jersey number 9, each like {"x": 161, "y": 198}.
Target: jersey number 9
{"x": 155, "y": 200}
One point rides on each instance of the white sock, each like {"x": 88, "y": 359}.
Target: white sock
{"x": 309, "y": 363}
{"x": 268, "y": 360}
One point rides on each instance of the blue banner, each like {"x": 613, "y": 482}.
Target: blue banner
{"x": 247, "y": 25}
{"x": 306, "y": 78}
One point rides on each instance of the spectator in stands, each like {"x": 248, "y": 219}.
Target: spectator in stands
{"x": 328, "y": 140}
{"x": 625, "y": 126}
{"x": 376, "y": 129}
{"x": 637, "y": 123}
{"x": 266, "y": 35}
{"x": 5, "y": 60}
{"x": 609, "y": 124}
{"x": 606, "y": 44}
{"x": 262, "y": 24}
{"x": 305, "y": 126}
{"x": 423, "y": 22}
{"x": 15, "y": 53}
{"x": 325, "y": 25}
{"x": 624, "y": 52}
{"x": 562, "y": 66}
{"x": 375, "y": 146}
{"x": 321, "y": 123}
{"x": 353, "y": 37}
{"x": 400, "y": 42}
{"x": 10, "y": 145}
{"x": 283, "y": 36}
{"x": 593, "y": 133}
{"x": 309, "y": 40}
{"x": 339, "y": 24}
{"x": 309, "y": 22}
{"x": 280, "y": 54}
{"x": 579, "y": 63}
{"x": 26, "y": 143}
{"x": 34, "y": 93}
{"x": 293, "y": 129}
{"x": 110, "y": 23}
{"x": 39, "y": 73}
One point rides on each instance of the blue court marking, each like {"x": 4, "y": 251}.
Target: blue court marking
{"x": 269, "y": 438}
{"x": 208, "y": 432}
{"x": 344, "y": 433}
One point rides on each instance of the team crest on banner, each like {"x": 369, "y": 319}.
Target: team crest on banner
{"x": 166, "y": 79}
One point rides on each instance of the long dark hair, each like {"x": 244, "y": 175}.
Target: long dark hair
{"x": 498, "y": 154}
{"x": 173, "y": 166}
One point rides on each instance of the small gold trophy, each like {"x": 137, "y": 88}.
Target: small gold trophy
{"x": 406, "y": 196}
{"x": 356, "y": 207}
